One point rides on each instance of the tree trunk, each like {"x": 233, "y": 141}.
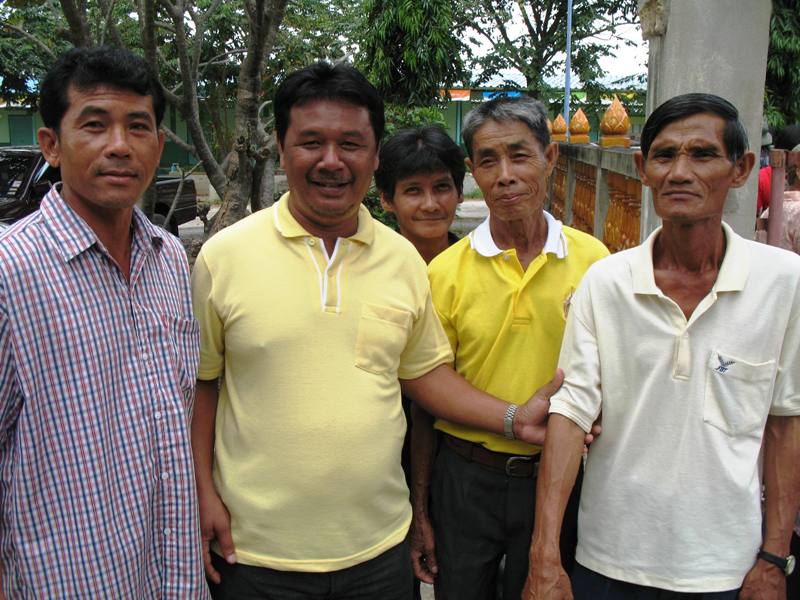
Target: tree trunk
{"x": 251, "y": 149}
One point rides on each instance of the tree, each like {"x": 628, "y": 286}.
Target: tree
{"x": 536, "y": 49}
{"x": 410, "y": 49}
{"x": 781, "y": 99}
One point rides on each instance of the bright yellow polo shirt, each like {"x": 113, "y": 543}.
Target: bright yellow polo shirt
{"x": 309, "y": 347}
{"x": 505, "y": 324}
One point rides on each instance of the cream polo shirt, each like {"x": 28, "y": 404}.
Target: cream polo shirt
{"x": 309, "y": 422}
{"x": 505, "y": 324}
{"x": 671, "y": 492}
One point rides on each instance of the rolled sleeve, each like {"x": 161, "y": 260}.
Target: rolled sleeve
{"x": 786, "y": 392}
{"x": 579, "y": 398}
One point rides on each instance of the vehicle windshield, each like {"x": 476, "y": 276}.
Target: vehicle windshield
{"x": 13, "y": 169}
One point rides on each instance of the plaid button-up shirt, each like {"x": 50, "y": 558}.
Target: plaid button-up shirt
{"x": 97, "y": 374}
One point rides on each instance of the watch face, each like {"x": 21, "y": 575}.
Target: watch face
{"x": 790, "y": 564}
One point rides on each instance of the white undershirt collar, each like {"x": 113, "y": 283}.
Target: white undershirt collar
{"x": 480, "y": 239}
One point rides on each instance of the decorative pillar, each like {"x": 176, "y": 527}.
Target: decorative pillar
{"x": 559, "y": 132}
{"x": 614, "y": 126}
{"x": 579, "y": 128}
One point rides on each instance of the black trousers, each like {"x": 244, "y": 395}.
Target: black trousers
{"x": 590, "y": 585}
{"x": 387, "y": 577}
{"x": 479, "y": 516}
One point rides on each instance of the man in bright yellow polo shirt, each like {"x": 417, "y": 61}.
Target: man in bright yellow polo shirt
{"x": 502, "y": 294}
{"x": 311, "y": 315}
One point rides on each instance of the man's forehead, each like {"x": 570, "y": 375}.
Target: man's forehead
{"x": 511, "y": 133}
{"x": 103, "y": 96}
{"x": 705, "y": 128}
{"x": 352, "y": 118}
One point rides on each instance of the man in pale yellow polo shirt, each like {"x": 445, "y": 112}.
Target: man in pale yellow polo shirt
{"x": 312, "y": 315}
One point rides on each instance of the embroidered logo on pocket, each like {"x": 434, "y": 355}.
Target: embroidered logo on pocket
{"x": 724, "y": 365}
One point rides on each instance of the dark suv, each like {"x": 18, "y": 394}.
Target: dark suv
{"x": 25, "y": 177}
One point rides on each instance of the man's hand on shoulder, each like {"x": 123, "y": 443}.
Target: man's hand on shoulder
{"x": 423, "y": 556}
{"x": 215, "y": 524}
{"x": 764, "y": 582}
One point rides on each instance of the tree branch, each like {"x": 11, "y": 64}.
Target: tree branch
{"x": 32, "y": 38}
{"x": 178, "y": 140}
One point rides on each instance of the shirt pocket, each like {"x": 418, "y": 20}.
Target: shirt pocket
{"x": 184, "y": 336}
{"x": 737, "y": 393}
{"x": 381, "y": 339}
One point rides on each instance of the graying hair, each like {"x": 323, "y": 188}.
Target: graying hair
{"x": 502, "y": 109}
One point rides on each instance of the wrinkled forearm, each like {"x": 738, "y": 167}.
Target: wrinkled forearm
{"x": 558, "y": 469}
{"x": 423, "y": 452}
{"x": 781, "y": 481}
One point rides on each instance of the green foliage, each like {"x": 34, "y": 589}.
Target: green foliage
{"x": 411, "y": 49}
{"x": 782, "y": 88}
{"x": 23, "y": 61}
{"x": 537, "y": 48}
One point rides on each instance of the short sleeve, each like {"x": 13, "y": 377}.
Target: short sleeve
{"x": 579, "y": 398}
{"x": 212, "y": 338}
{"x": 786, "y": 392}
{"x": 427, "y": 346}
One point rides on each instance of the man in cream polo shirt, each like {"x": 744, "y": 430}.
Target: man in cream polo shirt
{"x": 502, "y": 294}
{"x": 311, "y": 316}
{"x": 690, "y": 346}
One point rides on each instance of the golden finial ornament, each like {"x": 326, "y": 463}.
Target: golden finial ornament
{"x": 579, "y": 128}
{"x": 559, "y": 133}
{"x": 615, "y": 126}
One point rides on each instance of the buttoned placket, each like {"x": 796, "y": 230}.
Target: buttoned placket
{"x": 329, "y": 270}
{"x": 164, "y": 420}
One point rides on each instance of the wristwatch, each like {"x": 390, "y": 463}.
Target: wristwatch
{"x": 508, "y": 422}
{"x": 786, "y": 564}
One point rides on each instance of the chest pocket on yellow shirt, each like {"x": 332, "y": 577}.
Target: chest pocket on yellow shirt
{"x": 381, "y": 339}
{"x": 736, "y": 399}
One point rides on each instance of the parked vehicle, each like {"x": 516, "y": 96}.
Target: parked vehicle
{"x": 25, "y": 177}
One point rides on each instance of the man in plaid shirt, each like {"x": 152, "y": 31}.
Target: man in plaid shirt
{"x": 98, "y": 357}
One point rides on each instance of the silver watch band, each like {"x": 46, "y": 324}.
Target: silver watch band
{"x": 508, "y": 421}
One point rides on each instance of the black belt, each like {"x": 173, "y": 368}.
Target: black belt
{"x": 513, "y": 465}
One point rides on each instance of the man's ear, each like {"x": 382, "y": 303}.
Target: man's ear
{"x": 48, "y": 144}
{"x": 386, "y": 203}
{"x": 280, "y": 151}
{"x": 551, "y": 155}
{"x": 468, "y": 163}
{"x": 638, "y": 159}
{"x": 742, "y": 169}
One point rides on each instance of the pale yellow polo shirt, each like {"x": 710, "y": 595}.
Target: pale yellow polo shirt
{"x": 505, "y": 324}
{"x": 671, "y": 493}
{"x": 310, "y": 347}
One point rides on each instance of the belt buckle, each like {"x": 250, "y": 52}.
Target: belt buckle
{"x": 514, "y": 462}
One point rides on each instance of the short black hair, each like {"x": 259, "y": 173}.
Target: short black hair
{"x": 86, "y": 68}
{"x": 324, "y": 81}
{"x": 680, "y": 107}
{"x": 421, "y": 150}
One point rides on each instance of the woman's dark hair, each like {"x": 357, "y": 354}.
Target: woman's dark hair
{"x": 422, "y": 150}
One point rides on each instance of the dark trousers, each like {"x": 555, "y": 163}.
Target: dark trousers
{"x": 793, "y": 581}
{"x": 387, "y": 577}
{"x": 480, "y": 515}
{"x": 590, "y": 585}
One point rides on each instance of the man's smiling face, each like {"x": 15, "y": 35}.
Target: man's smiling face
{"x": 329, "y": 154}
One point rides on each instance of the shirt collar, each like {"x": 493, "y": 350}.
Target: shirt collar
{"x": 288, "y": 226}
{"x": 73, "y": 234}
{"x": 732, "y": 275}
{"x": 481, "y": 240}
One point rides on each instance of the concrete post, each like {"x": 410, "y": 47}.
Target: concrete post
{"x": 715, "y": 46}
